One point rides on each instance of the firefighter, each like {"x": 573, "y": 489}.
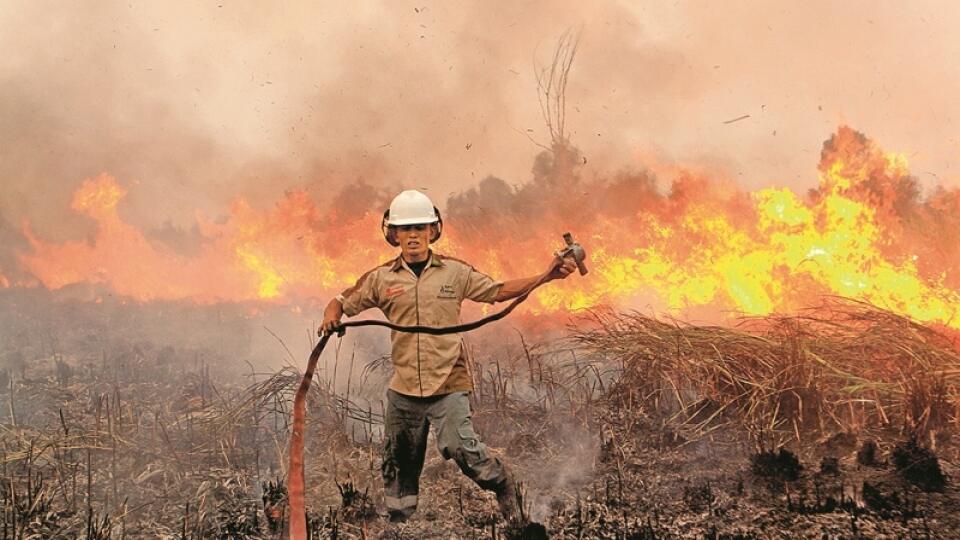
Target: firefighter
{"x": 431, "y": 382}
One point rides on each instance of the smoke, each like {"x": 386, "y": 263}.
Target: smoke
{"x": 256, "y": 149}
{"x": 191, "y": 105}
{"x": 9, "y": 237}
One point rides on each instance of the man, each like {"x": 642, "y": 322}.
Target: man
{"x": 431, "y": 383}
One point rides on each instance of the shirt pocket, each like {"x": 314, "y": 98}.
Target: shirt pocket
{"x": 445, "y": 304}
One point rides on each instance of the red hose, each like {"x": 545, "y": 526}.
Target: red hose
{"x": 295, "y": 480}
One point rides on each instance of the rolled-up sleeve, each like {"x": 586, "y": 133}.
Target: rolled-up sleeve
{"x": 362, "y": 296}
{"x": 481, "y": 287}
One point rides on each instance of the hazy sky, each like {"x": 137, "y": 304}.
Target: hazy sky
{"x": 191, "y": 104}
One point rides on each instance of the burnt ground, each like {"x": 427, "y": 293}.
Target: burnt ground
{"x": 106, "y": 434}
{"x": 638, "y": 480}
{"x": 181, "y": 452}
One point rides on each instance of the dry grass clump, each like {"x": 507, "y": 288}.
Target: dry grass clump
{"x": 107, "y": 450}
{"x": 843, "y": 365}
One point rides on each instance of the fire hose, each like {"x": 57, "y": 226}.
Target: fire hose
{"x": 295, "y": 474}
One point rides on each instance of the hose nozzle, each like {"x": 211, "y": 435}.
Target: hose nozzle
{"x": 574, "y": 250}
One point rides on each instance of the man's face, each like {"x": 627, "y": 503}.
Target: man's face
{"x": 414, "y": 241}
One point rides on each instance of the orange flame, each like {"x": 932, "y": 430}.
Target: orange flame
{"x": 864, "y": 233}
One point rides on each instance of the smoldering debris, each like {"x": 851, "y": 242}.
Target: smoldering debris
{"x": 781, "y": 465}
{"x": 919, "y": 465}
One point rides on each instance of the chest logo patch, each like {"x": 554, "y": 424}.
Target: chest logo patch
{"x": 394, "y": 292}
{"x": 447, "y": 291}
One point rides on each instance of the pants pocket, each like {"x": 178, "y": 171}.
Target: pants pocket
{"x": 471, "y": 447}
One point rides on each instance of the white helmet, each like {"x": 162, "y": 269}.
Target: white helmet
{"x": 411, "y": 207}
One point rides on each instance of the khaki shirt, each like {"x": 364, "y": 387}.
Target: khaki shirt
{"x": 423, "y": 363}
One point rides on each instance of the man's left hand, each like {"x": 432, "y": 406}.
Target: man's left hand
{"x": 563, "y": 268}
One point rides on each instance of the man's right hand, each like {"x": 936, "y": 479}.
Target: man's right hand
{"x": 331, "y": 317}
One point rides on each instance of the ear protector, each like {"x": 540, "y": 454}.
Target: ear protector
{"x": 390, "y": 234}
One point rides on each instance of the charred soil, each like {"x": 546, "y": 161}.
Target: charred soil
{"x": 631, "y": 428}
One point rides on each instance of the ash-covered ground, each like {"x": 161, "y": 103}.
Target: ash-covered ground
{"x": 121, "y": 420}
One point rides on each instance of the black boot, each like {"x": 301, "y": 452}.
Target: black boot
{"x": 508, "y": 499}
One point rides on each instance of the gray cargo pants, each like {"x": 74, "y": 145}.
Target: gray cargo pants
{"x": 406, "y": 426}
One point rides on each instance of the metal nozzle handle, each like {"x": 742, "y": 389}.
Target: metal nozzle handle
{"x": 576, "y": 251}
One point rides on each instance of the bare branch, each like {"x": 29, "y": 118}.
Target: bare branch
{"x": 552, "y": 85}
